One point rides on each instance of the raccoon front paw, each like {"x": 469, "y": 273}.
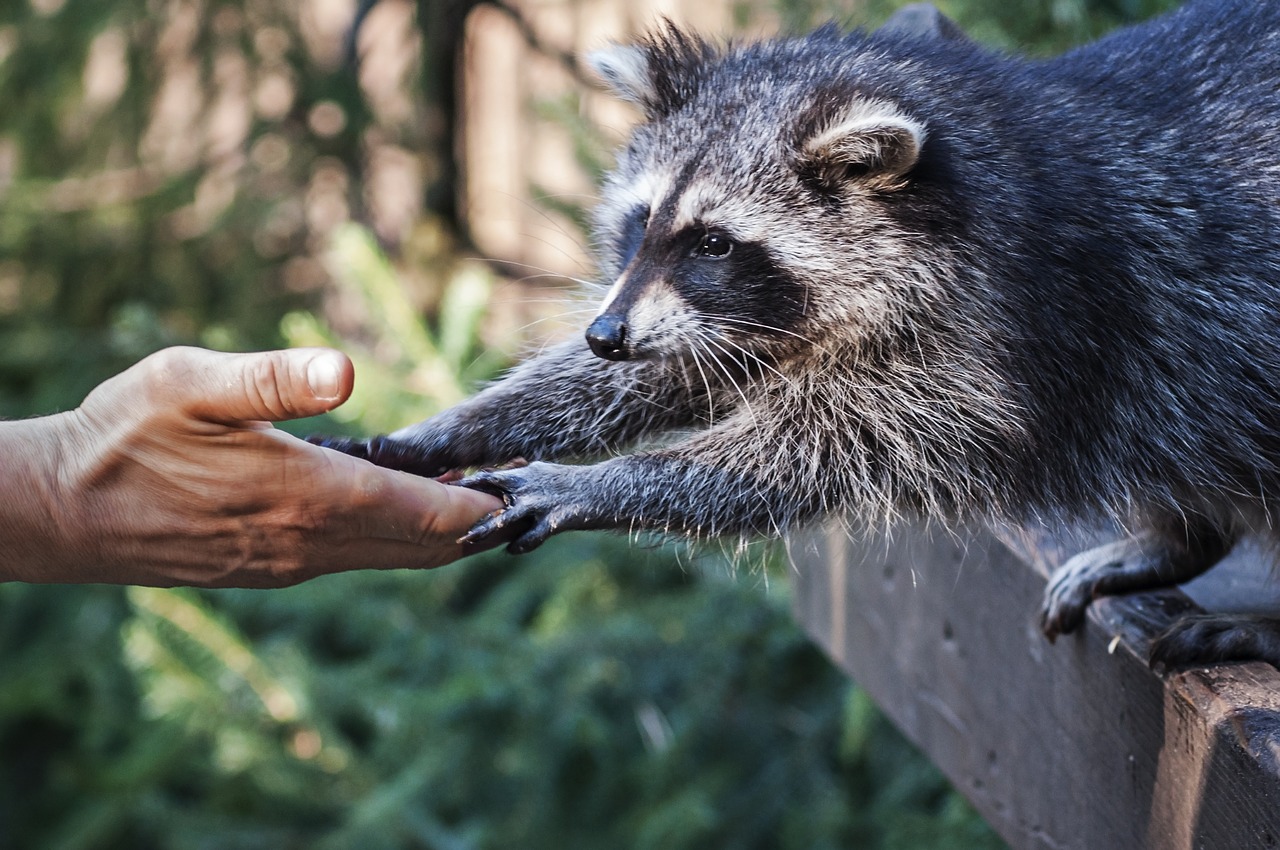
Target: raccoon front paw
{"x": 392, "y": 454}
{"x": 539, "y": 503}
{"x": 1202, "y": 639}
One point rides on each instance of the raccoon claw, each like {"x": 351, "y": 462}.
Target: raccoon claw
{"x": 535, "y": 506}
{"x": 385, "y": 452}
{"x": 503, "y": 523}
{"x": 1071, "y": 588}
{"x": 1202, "y": 639}
{"x": 1062, "y": 616}
{"x": 1125, "y": 565}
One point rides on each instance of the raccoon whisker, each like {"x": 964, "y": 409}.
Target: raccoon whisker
{"x": 698, "y": 354}
{"x": 710, "y": 392}
{"x": 543, "y": 272}
{"x": 577, "y": 261}
{"x": 711, "y": 402}
{"x": 725, "y": 368}
{"x": 682, "y": 369}
{"x": 553, "y": 275}
{"x": 759, "y": 360}
{"x": 584, "y": 196}
{"x": 590, "y": 308}
{"x": 549, "y": 274}
{"x": 714, "y": 340}
{"x": 762, "y": 326}
{"x": 554, "y": 225}
{"x": 556, "y": 300}
{"x": 576, "y": 311}
{"x": 704, "y": 336}
{"x": 772, "y": 328}
{"x": 564, "y": 314}
{"x": 580, "y": 311}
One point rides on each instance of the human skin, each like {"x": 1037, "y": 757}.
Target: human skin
{"x": 171, "y": 474}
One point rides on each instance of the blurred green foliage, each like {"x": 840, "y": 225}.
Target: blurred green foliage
{"x": 593, "y": 698}
{"x": 600, "y": 693}
{"x": 151, "y": 181}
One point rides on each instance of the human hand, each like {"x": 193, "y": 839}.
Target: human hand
{"x": 171, "y": 474}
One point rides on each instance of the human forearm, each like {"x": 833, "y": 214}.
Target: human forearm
{"x": 36, "y": 547}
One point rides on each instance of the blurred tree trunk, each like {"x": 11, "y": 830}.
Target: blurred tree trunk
{"x": 443, "y": 25}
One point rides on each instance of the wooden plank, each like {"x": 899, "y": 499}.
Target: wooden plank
{"x": 1073, "y": 746}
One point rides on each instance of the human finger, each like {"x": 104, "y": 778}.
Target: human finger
{"x": 269, "y": 386}
{"x": 397, "y": 520}
{"x": 389, "y": 504}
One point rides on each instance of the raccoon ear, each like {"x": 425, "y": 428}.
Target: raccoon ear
{"x": 624, "y": 70}
{"x": 922, "y": 20}
{"x": 660, "y": 74}
{"x": 875, "y": 146}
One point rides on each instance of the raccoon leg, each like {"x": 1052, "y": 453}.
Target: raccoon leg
{"x": 1209, "y": 638}
{"x": 729, "y": 479}
{"x": 1146, "y": 561}
{"x": 565, "y": 402}
{"x": 628, "y": 493}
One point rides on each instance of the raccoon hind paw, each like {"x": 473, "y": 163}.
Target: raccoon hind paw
{"x": 1202, "y": 639}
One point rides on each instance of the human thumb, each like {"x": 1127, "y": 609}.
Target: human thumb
{"x": 266, "y": 386}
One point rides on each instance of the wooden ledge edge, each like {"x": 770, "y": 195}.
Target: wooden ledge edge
{"x": 1076, "y": 745}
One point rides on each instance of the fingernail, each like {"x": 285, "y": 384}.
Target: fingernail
{"x": 323, "y": 377}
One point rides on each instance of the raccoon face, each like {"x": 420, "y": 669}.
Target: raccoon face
{"x": 691, "y": 281}
{"x": 720, "y": 222}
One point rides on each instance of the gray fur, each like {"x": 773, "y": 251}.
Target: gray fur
{"x": 962, "y": 285}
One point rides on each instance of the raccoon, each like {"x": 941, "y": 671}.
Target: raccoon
{"x": 895, "y": 273}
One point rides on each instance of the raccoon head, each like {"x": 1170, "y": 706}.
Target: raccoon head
{"x": 732, "y": 220}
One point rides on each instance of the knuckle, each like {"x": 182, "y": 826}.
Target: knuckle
{"x": 292, "y": 551}
{"x": 368, "y": 484}
{"x": 290, "y": 570}
{"x": 264, "y": 555}
{"x": 167, "y": 363}
{"x": 163, "y": 372}
{"x": 265, "y": 388}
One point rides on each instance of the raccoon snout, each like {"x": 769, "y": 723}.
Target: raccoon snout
{"x": 607, "y": 337}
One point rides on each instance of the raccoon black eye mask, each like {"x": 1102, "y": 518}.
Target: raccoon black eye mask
{"x": 885, "y": 274}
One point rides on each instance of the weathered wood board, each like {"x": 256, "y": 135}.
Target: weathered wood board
{"x": 1070, "y": 746}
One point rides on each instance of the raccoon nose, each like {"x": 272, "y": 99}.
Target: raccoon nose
{"x": 607, "y": 337}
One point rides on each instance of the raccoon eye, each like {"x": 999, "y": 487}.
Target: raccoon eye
{"x": 714, "y": 245}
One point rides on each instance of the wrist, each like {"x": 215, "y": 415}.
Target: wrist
{"x": 36, "y": 529}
